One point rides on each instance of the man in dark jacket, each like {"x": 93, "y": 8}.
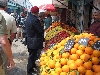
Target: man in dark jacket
{"x": 34, "y": 33}
{"x": 95, "y": 26}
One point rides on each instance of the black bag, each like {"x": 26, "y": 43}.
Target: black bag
{"x": 34, "y": 43}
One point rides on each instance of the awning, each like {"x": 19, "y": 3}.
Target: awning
{"x": 56, "y": 3}
{"x": 12, "y": 6}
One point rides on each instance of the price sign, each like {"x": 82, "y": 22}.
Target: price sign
{"x": 83, "y": 41}
{"x": 97, "y": 45}
{"x": 69, "y": 45}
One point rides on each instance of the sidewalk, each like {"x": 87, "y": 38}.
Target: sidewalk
{"x": 20, "y": 55}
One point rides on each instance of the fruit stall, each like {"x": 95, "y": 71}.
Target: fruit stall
{"x": 57, "y": 32}
{"x": 72, "y": 55}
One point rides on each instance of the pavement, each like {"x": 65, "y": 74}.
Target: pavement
{"x": 20, "y": 55}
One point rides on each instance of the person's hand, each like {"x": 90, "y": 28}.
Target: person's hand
{"x": 11, "y": 64}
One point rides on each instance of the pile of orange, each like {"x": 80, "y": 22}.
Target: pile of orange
{"x": 80, "y": 60}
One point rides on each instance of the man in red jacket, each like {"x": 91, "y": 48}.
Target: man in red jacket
{"x": 95, "y": 26}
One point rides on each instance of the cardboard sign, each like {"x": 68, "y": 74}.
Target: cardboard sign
{"x": 97, "y": 45}
{"x": 83, "y": 41}
{"x": 69, "y": 45}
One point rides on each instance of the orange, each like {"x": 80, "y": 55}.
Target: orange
{"x": 87, "y": 65}
{"x": 55, "y": 47}
{"x": 65, "y": 68}
{"x": 59, "y": 45}
{"x": 92, "y": 38}
{"x": 43, "y": 55}
{"x": 85, "y": 57}
{"x": 96, "y": 39}
{"x": 42, "y": 58}
{"x": 55, "y": 52}
{"x": 70, "y": 61}
{"x": 51, "y": 64}
{"x": 63, "y": 42}
{"x": 63, "y": 73}
{"x": 81, "y": 70}
{"x": 58, "y": 70}
{"x": 43, "y": 73}
{"x": 98, "y": 73}
{"x": 52, "y": 72}
{"x": 79, "y": 52}
{"x": 81, "y": 47}
{"x": 91, "y": 42}
{"x": 74, "y": 57}
{"x": 96, "y": 53}
{"x": 88, "y": 50}
{"x": 76, "y": 45}
{"x": 57, "y": 65}
{"x": 96, "y": 68}
{"x": 73, "y": 73}
{"x": 95, "y": 60}
{"x": 65, "y": 55}
{"x": 41, "y": 63}
{"x": 73, "y": 50}
{"x": 76, "y": 40}
{"x": 89, "y": 72}
{"x": 79, "y": 62}
{"x": 63, "y": 61}
{"x": 58, "y": 56}
{"x": 72, "y": 66}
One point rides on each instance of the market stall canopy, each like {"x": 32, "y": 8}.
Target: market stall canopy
{"x": 48, "y": 7}
{"x": 56, "y": 3}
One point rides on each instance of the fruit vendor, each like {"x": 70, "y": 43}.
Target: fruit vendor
{"x": 95, "y": 26}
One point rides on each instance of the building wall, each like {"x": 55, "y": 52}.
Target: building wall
{"x": 24, "y": 3}
{"x": 28, "y": 5}
{"x": 97, "y": 4}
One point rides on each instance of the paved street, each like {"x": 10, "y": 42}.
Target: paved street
{"x": 20, "y": 57}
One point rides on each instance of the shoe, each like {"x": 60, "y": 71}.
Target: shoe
{"x": 16, "y": 40}
{"x": 21, "y": 40}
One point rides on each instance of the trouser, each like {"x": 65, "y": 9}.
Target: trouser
{"x": 31, "y": 60}
{"x": 19, "y": 31}
{"x": 3, "y": 62}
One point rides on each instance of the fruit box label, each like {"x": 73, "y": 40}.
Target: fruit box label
{"x": 97, "y": 45}
{"x": 83, "y": 41}
{"x": 69, "y": 45}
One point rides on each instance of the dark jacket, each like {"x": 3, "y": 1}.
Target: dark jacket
{"x": 34, "y": 32}
{"x": 95, "y": 28}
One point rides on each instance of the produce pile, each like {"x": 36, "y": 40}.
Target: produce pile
{"x": 57, "y": 32}
{"x": 79, "y": 60}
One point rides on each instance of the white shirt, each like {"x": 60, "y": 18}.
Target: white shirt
{"x": 10, "y": 22}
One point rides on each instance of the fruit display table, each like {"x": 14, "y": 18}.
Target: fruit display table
{"x": 74, "y": 55}
{"x": 57, "y": 32}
